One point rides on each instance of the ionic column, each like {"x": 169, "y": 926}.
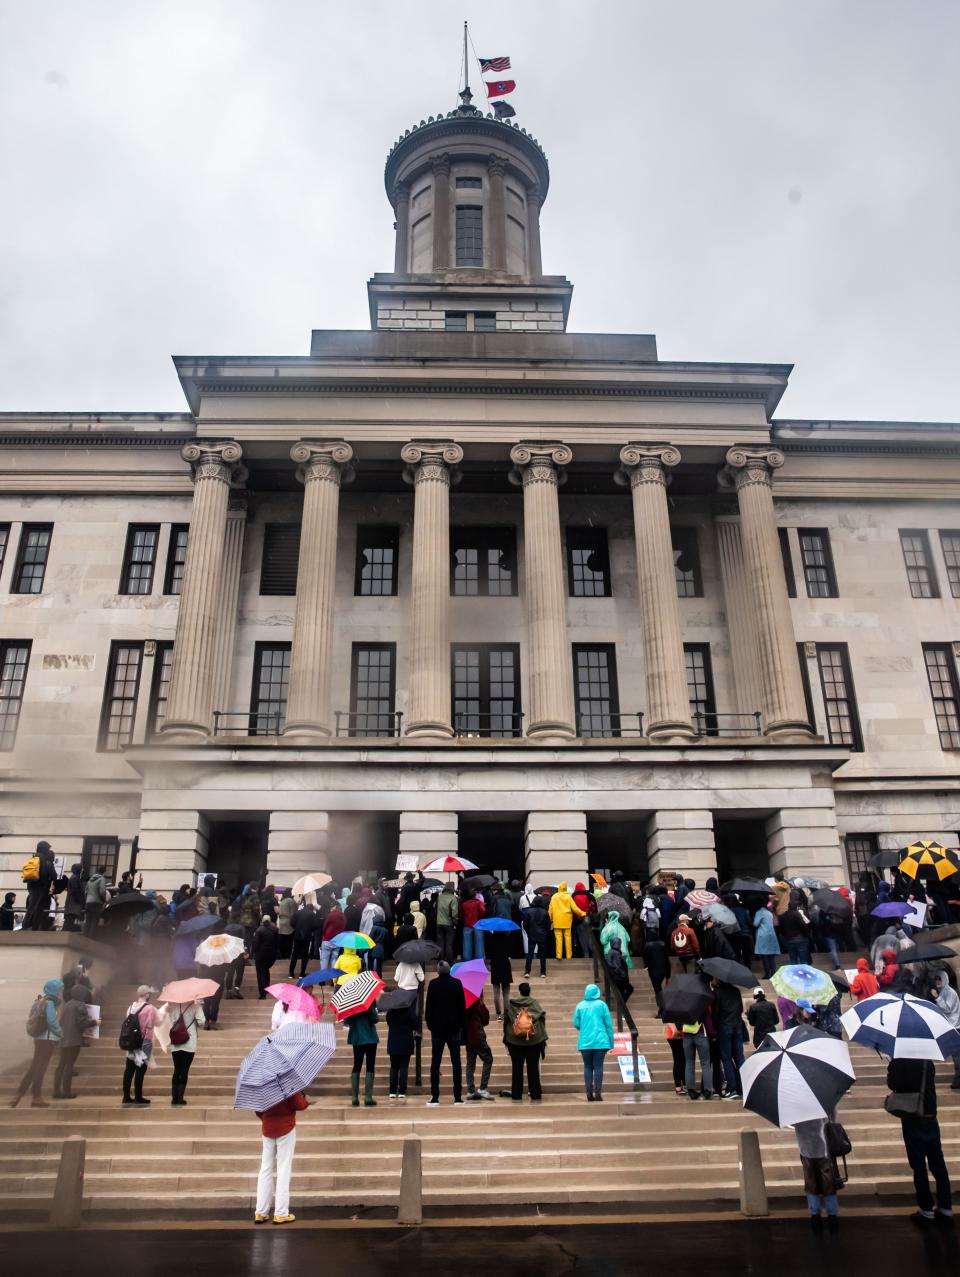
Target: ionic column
{"x": 190, "y": 701}
{"x": 534, "y": 261}
{"x": 668, "y": 701}
{"x": 497, "y": 208}
{"x": 441, "y": 213}
{"x": 229, "y": 597}
{"x": 740, "y": 619}
{"x": 401, "y": 208}
{"x": 549, "y": 669}
{"x": 321, "y": 467}
{"x": 784, "y": 709}
{"x": 428, "y": 468}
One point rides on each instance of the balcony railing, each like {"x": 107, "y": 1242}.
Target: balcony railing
{"x": 367, "y": 723}
{"x": 246, "y": 722}
{"x": 602, "y": 726}
{"x": 750, "y": 724}
{"x": 499, "y": 724}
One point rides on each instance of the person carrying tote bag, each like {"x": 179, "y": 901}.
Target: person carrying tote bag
{"x": 913, "y": 1099}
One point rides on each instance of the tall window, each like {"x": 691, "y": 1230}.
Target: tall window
{"x": 139, "y": 558}
{"x": 160, "y": 687}
{"x": 486, "y": 689}
{"x": 281, "y": 551}
{"x": 859, "y": 849}
{"x": 942, "y": 675}
{"x": 120, "y": 695}
{"x": 4, "y": 540}
{"x": 32, "y": 558}
{"x": 271, "y": 681}
{"x": 595, "y": 686}
{"x": 588, "y": 562}
{"x": 949, "y": 543}
{"x": 686, "y": 563}
{"x": 372, "y": 685}
{"x": 176, "y": 558}
{"x": 784, "y": 535}
{"x": 469, "y": 235}
{"x": 817, "y": 561}
{"x": 100, "y": 855}
{"x": 696, "y": 657}
{"x": 376, "y": 571}
{"x": 836, "y": 681}
{"x": 916, "y": 555}
{"x": 483, "y": 561}
{"x": 14, "y": 659}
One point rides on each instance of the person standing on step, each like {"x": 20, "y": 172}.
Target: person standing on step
{"x": 278, "y": 1126}
{"x": 821, "y": 1178}
{"x": 43, "y": 875}
{"x": 285, "y": 915}
{"x": 563, "y": 909}
{"x": 478, "y": 1017}
{"x": 305, "y": 923}
{"x": 446, "y": 1017}
{"x": 762, "y": 1016}
{"x": 264, "y": 950}
{"x": 536, "y": 923}
{"x": 617, "y": 966}
{"x": 362, "y": 1035}
{"x": 332, "y": 926}
{"x": 402, "y": 1029}
{"x": 594, "y": 1024}
{"x": 914, "y": 1101}
{"x": 501, "y": 972}
{"x": 766, "y": 944}
{"x": 140, "y": 1022}
{"x": 696, "y": 1042}
{"x": 657, "y": 961}
{"x": 43, "y": 1025}
{"x": 74, "y": 900}
{"x": 730, "y": 1031}
{"x": 525, "y": 1037}
{"x": 95, "y": 901}
{"x": 8, "y": 911}
{"x": 683, "y": 942}
{"x": 472, "y": 909}
{"x": 448, "y": 912}
{"x": 75, "y": 1019}
{"x": 583, "y": 931}
{"x": 185, "y": 1018}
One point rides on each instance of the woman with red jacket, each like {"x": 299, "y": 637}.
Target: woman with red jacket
{"x": 472, "y": 910}
{"x": 583, "y": 929}
{"x": 890, "y": 969}
{"x": 279, "y": 1128}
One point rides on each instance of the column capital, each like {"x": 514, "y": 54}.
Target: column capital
{"x": 400, "y": 194}
{"x": 535, "y": 194}
{"x": 539, "y": 463}
{"x": 747, "y": 465}
{"x": 441, "y": 165}
{"x": 647, "y": 463}
{"x": 323, "y": 460}
{"x": 431, "y": 461}
{"x": 215, "y": 460}
{"x": 496, "y": 165}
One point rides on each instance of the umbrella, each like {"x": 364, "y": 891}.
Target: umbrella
{"x": 295, "y": 998}
{"x": 321, "y": 977}
{"x": 308, "y": 883}
{"x": 352, "y": 940}
{"x": 396, "y": 999}
{"x": 357, "y": 994}
{"x": 448, "y": 865}
{"x": 930, "y": 859}
{"x": 814, "y": 884}
{"x": 194, "y": 926}
{"x": 425, "y": 892}
{"x": 798, "y": 981}
{"x": 721, "y": 915}
{"x": 902, "y": 1027}
{"x": 479, "y": 881}
{"x": 699, "y": 899}
{"x": 189, "y": 990}
{"x": 283, "y": 1063}
{"x": 745, "y": 887}
{"x": 893, "y": 909}
{"x": 839, "y": 983}
{"x": 414, "y": 951}
{"x": 796, "y": 1076}
{"x": 473, "y": 975}
{"x": 924, "y": 953}
{"x": 496, "y": 924}
{"x": 129, "y": 902}
{"x": 217, "y": 951}
{"x": 884, "y": 860}
{"x": 548, "y": 891}
{"x": 613, "y": 901}
{"x": 729, "y": 972}
{"x": 685, "y": 999}
{"x": 832, "y": 903}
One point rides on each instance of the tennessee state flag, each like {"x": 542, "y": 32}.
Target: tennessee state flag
{"x": 499, "y": 88}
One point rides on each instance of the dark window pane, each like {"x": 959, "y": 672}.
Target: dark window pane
{"x": 469, "y": 235}
{"x": 484, "y": 322}
{"x": 100, "y": 855}
{"x": 859, "y": 849}
{"x": 686, "y": 562}
{"x": 486, "y": 690}
{"x": 120, "y": 696}
{"x": 176, "y": 558}
{"x": 14, "y": 659}
{"x": 271, "y": 679}
{"x": 696, "y": 658}
{"x": 843, "y": 727}
{"x": 4, "y": 541}
{"x": 469, "y": 183}
{"x": 139, "y": 558}
{"x": 160, "y": 690}
{"x": 376, "y": 571}
{"x": 588, "y": 564}
{"x": 942, "y": 676}
{"x": 817, "y": 563}
{"x": 32, "y": 558}
{"x": 372, "y": 689}
{"x": 950, "y": 544}
{"x": 455, "y": 321}
{"x": 788, "y": 576}
{"x": 281, "y": 551}
{"x": 595, "y": 687}
{"x": 916, "y": 556}
{"x": 483, "y": 561}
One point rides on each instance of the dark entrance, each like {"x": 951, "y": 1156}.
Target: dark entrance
{"x": 494, "y": 844}
{"x": 617, "y": 842}
{"x": 741, "y": 847}
{"x": 237, "y": 851}
{"x": 362, "y": 844}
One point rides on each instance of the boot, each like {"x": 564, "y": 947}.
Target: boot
{"x": 368, "y": 1099}
{"x": 355, "y": 1090}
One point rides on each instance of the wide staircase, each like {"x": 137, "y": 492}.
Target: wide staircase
{"x": 649, "y": 1149}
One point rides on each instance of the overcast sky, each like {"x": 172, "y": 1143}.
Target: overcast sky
{"x": 748, "y": 179}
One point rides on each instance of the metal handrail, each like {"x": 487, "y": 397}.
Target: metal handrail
{"x": 462, "y": 728}
{"x": 617, "y": 728}
{"x": 252, "y": 719}
{"x": 388, "y": 722}
{"x": 710, "y": 725}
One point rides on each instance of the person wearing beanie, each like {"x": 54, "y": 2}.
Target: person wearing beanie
{"x": 562, "y": 910}
{"x": 865, "y": 984}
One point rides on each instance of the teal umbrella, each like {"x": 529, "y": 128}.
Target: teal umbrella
{"x": 802, "y": 981}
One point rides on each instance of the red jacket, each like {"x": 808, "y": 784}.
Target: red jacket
{"x": 584, "y": 899}
{"x": 332, "y": 924}
{"x": 890, "y": 968}
{"x": 865, "y": 984}
{"x": 282, "y": 1118}
{"x": 478, "y": 1017}
{"x": 471, "y": 911}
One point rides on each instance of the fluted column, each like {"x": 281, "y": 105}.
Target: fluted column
{"x": 549, "y": 668}
{"x": 784, "y": 709}
{"x": 534, "y": 260}
{"x": 741, "y": 625}
{"x": 497, "y": 213}
{"x": 441, "y": 213}
{"x": 229, "y": 597}
{"x": 668, "y": 700}
{"x": 429, "y": 469}
{"x": 321, "y": 468}
{"x": 190, "y": 701}
{"x": 401, "y": 208}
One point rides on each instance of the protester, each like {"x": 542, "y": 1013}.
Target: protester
{"x": 472, "y": 909}
{"x": 657, "y": 962}
{"x": 264, "y": 950}
{"x": 696, "y": 1042}
{"x": 714, "y": 943}
{"x": 617, "y": 966}
{"x": 8, "y": 911}
{"x": 730, "y": 1032}
{"x": 536, "y": 923}
{"x": 913, "y": 1099}
{"x": 306, "y": 922}
{"x": 525, "y": 1036}
{"x": 501, "y": 972}
{"x": 43, "y": 1025}
{"x": 592, "y": 1019}
{"x": 362, "y": 1035}
{"x": 94, "y": 902}
{"x": 675, "y": 1042}
{"x": 795, "y": 934}
{"x": 683, "y": 941}
{"x": 865, "y": 983}
{"x": 185, "y": 1018}
{"x": 762, "y": 1016}
{"x": 583, "y": 929}
{"x": 333, "y": 925}
{"x": 42, "y": 873}
{"x": 278, "y": 1127}
{"x": 562, "y": 910}
{"x": 766, "y": 945}
{"x": 613, "y": 929}
{"x": 448, "y": 911}
{"x": 821, "y": 1178}
{"x": 74, "y": 900}
{"x": 75, "y": 1019}
{"x": 478, "y": 1017}
{"x": 948, "y": 1003}
{"x": 408, "y": 975}
{"x": 285, "y": 915}
{"x": 446, "y": 1016}
{"x": 402, "y": 1030}
{"x": 419, "y": 919}
{"x": 349, "y": 963}
{"x": 889, "y": 972}
{"x": 141, "y": 1021}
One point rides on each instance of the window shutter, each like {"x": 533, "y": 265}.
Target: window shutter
{"x": 281, "y": 550}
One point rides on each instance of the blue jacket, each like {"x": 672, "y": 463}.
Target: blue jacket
{"x": 767, "y": 940}
{"x": 52, "y": 992}
{"x": 592, "y": 1018}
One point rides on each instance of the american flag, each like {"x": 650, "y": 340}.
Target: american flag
{"x": 494, "y": 64}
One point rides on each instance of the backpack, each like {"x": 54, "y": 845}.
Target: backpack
{"x": 179, "y": 1034}
{"x": 523, "y": 1025}
{"x": 131, "y": 1034}
{"x": 31, "y": 870}
{"x": 37, "y": 1018}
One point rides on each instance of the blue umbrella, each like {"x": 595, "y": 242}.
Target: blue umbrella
{"x": 321, "y": 977}
{"x": 496, "y": 924}
{"x": 894, "y": 909}
{"x": 283, "y": 1063}
{"x": 202, "y": 922}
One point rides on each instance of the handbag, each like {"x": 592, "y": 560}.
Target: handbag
{"x": 907, "y": 1103}
{"x": 838, "y": 1141}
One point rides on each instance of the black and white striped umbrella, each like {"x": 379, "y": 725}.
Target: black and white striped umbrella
{"x": 796, "y": 1076}
{"x": 902, "y": 1027}
{"x": 357, "y": 994}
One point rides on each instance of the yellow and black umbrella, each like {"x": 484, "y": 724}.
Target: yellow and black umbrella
{"x": 930, "y": 859}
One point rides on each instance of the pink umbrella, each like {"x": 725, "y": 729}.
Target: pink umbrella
{"x": 448, "y": 865}
{"x": 699, "y": 899}
{"x": 295, "y": 998}
{"x": 189, "y": 990}
{"x": 473, "y": 975}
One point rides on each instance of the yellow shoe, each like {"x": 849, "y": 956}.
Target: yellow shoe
{"x": 261, "y": 1219}
{"x": 284, "y": 1219}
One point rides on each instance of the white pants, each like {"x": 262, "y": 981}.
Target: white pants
{"x": 276, "y": 1165}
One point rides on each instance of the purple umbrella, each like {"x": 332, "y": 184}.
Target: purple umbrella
{"x": 894, "y": 909}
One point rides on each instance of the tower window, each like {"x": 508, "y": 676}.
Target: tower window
{"x": 686, "y": 563}
{"x": 469, "y": 235}
{"x": 485, "y": 322}
{"x": 469, "y": 183}
{"x": 455, "y": 321}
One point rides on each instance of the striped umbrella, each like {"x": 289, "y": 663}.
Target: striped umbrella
{"x": 699, "y": 899}
{"x": 930, "y": 859}
{"x": 283, "y": 1063}
{"x": 796, "y": 1076}
{"x": 798, "y": 980}
{"x": 356, "y": 995}
{"x": 448, "y": 865}
{"x": 902, "y": 1027}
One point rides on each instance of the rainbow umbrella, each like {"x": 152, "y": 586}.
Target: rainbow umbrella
{"x": 353, "y": 940}
{"x": 473, "y": 975}
{"x": 295, "y": 999}
{"x": 797, "y": 980}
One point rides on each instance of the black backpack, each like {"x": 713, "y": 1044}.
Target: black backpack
{"x": 131, "y": 1034}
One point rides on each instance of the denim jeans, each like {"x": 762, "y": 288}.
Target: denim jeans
{"x": 593, "y": 1070}
{"x": 833, "y": 949}
{"x": 798, "y": 952}
{"x": 472, "y": 943}
{"x": 328, "y": 955}
{"x": 731, "y": 1055}
{"x": 814, "y": 1201}
{"x": 693, "y": 1047}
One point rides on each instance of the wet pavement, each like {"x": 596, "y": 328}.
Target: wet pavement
{"x": 866, "y": 1245}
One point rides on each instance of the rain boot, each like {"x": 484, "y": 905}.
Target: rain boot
{"x": 355, "y": 1090}
{"x": 368, "y": 1099}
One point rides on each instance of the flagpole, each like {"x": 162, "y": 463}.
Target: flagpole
{"x": 466, "y": 64}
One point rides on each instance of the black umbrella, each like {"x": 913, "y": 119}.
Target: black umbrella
{"x": 796, "y": 1075}
{"x": 127, "y": 904}
{"x": 884, "y": 860}
{"x": 478, "y": 881}
{"x": 431, "y": 882}
{"x": 924, "y": 953}
{"x": 839, "y": 983}
{"x": 612, "y": 901}
{"x": 685, "y": 999}
{"x": 396, "y": 999}
{"x": 729, "y": 972}
{"x": 745, "y": 887}
{"x": 832, "y": 903}
{"x": 414, "y": 951}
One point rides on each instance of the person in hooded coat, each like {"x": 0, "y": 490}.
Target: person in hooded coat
{"x": 865, "y": 983}
{"x": 657, "y": 962}
{"x": 75, "y": 899}
{"x": 766, "y": 945}
{"x": 402, "y": 1029}
{"x": 594, "y": 1025}
{"x": 535, "y": 920}
{"x": 419, "y": 918}
{"x": 525, "y": 1048}
{"x": 285, "y": 915}
{"x": 36, "y": 917}
{"x": 948, "y": 1003}
{"x": 613, "y": 929}
{"x": 44, "y": 1046}
{"x": 617, "y": 966}
{"x": 583, "y": 931}
{"x": 563, "y": 909}
{"x": 75, "y": 1019}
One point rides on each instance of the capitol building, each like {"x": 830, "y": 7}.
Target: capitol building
{"x": 469, "y": 581}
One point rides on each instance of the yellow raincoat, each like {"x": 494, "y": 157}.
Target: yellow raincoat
{"x": 562, "y": 909}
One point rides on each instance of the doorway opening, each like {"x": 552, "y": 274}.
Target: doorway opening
{"x": 362, "y": 844}
{"x": 741, "y": 847}
{"x": 494, "y": 843}
{"x": 618, "y": 841}
{"x": 237, "y": 849}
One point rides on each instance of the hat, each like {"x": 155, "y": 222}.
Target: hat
{"x": 145, "y": 991}
{"x": 758, "y": 992}
{"x": 684, "y": 917}
{"x": 804, "y": 1005}
{"x": 443, "y": 968}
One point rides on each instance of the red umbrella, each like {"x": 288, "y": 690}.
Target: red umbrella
{"x": 356, "y": 995}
